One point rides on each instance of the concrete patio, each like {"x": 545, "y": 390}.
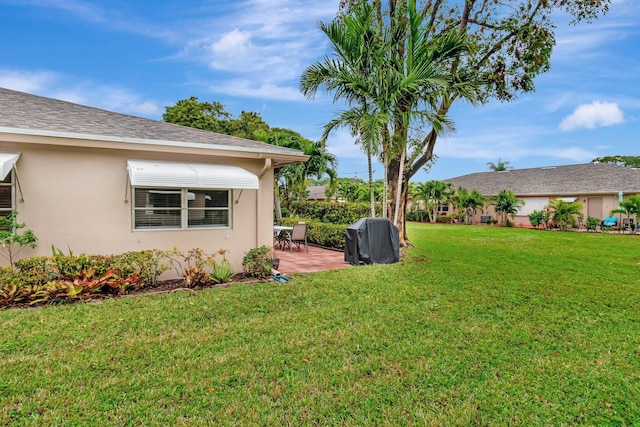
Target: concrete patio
{"x": 317, "y": 259}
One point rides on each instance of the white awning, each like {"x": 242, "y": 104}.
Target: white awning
{"x": 7, "y": 162}
{"x": 149, "y": 173}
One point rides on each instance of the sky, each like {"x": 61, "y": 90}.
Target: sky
{"x": 138, "y": 57}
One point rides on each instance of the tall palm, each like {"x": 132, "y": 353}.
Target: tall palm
{"x": 630, "y": 207}
{"x": 353, "y": 39}
{"x": 507, "y": 204}
{"x": 499, "y": 166}
{"x": 407, "y": 76}
{"x": 467, "y": 202}
{"x": 435, "y": 193}
{"x": 476, "y": 201}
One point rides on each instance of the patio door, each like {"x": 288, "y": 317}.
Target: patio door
{"x": 594, "y": 207}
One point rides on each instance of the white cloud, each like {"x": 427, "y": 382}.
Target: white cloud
{"x": 109, "y": 98}
{"x": 66, "y": 88}
{"x": 233, "y": 51}
{"x": 256, "y": 89}
{"x": 342, "y": 144}
{"x": 26, "y": 81}
{"x": 593, "y": 115}
{"x": 266, "y": 43}
{"x": 576, "y": 154}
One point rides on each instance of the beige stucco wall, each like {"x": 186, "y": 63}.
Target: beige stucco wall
{"x": 609, "y": 202}
{"x": 74, "y": 198}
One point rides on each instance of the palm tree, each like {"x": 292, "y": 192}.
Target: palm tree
{"x": 469, "y": 202}
{"x": 404, "y": 73}
{"x": 292, "y": 179}
{"x": 630, "y": 207}
{"x": 500, "y": 166}
{"x": 434, "y": 193}
{"x": 354, "y": 43}
{"x": 564, "y": 213}
{"x": 507, "y": 204}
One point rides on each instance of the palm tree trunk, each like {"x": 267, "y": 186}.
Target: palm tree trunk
{"x": 371, "y": 195}
{"x": 399, "y": 189}
{"x": 276, "y": 200}
{"x": 385, "y": 188}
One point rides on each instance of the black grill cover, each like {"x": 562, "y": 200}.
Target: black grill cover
{"x": 372, "y": 241}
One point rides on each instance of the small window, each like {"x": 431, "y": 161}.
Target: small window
{"x": 7, "y": 201}
{"x": 180, "y": 208}
{"x": 208, "y": 208}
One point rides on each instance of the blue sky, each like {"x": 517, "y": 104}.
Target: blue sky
{"x": 136, "y": 57}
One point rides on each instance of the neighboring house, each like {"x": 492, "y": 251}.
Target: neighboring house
{"x": 317, "y": 193}
{"x": 596, "y": 185}
{"x": 99, "y": 182}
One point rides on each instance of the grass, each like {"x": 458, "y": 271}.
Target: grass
{"x": 478, "y": 326}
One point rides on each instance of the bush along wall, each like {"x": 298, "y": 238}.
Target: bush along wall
{"x": 321, "y": 233}
{"x": 333, "y": 212}
{"x": 63, "y": 278}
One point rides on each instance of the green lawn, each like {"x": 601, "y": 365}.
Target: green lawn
{"x": 478, "y": 326}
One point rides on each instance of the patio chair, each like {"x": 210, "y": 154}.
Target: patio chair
{"x": 628, "y": 224}
{"x": 608, "y": 222}
{"x": 297, "y": 237}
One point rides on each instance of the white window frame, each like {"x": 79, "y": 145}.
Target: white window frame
{"x": 184, "y": 209}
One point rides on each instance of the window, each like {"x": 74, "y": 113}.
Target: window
{"x": 7, "y": 202}
{"x": 181, "y": 208}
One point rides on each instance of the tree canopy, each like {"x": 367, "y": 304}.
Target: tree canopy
{"x": 499, "y": 166}
{"x": 627, "y": 161}
{"x": 213, "y": 116}
{"x": 290, "y": 181}
{"x": 478, "y": 50}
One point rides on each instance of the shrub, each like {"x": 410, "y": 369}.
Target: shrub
{"x": 190, "y": 266}
{"x": 321, "y": 233}
{"x": 221, "y": 272}
{"x": 67, "y": 277}
{"x": 537, "y": 218}
{"x": 416, "y": 214}
{"x": 334, "y": 212}
{"x": 257, "y": 262}
{"x": 12, "y": 241}
{"x": 447, "y": 219}
{"x": 69, "y": 266}
{"x": 146, "y": 264}
{"x": 592, "y": 223}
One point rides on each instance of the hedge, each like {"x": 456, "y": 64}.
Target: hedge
{"x": 334, "y": 212}
{"x": 321, "y": 233}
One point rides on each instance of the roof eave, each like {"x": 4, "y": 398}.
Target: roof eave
{"x": 280, "y": 156}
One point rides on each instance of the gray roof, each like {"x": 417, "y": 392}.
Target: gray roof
{"x": 316, "y": 192}
{"x": 589, "y": 178}
{"x": 20, "y": 110}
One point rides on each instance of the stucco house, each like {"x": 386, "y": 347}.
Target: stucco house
{"x": 597, "y": 185}
{"x": 100, "y": 182}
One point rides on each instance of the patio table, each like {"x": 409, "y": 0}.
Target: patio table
{"x": 277, "y": 233}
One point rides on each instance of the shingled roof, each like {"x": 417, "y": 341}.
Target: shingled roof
{"x": 47, "y": 116}
{"x": 590, "y": 178}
